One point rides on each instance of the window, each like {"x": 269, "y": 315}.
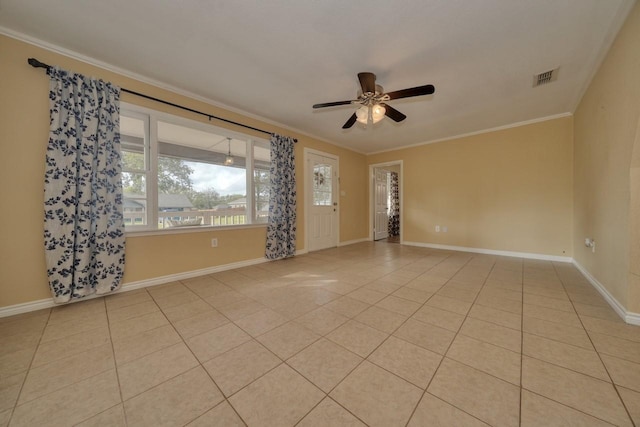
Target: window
{"x": 322, "y": 185}
{"x": 181, "y": 173}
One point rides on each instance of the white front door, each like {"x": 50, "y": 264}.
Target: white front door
{"x": 381, "y": 195}
{"x": 322, "y": 202}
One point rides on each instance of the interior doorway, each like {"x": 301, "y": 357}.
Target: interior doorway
{"x": 381, "y": 204}
{"x": 386, "y": 201}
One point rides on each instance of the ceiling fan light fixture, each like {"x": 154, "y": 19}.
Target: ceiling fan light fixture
{"x": 377, "y": 113}
{"x": 370, "y": 114}
{"x": 362, "y": 114}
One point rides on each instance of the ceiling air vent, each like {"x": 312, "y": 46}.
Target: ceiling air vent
{"x": 545, "y": 77}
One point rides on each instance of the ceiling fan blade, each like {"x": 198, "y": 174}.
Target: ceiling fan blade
{"x": 331, "y": 104}
{"x": 413, "y": 91}
{"x": 393, "y": 114}
{"x": 367, "y": 82}
{"x": 350, "y": 122}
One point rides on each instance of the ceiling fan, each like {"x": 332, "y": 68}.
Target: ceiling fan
{"x": 373, "y": 101}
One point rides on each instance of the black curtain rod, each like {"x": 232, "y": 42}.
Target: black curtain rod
{"x": 37, "y": 64}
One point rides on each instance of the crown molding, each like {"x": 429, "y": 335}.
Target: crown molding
{"x": 157, "y": 83}
{"x": 479, "y": 132}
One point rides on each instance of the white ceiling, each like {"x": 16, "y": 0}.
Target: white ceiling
{"x": 275, "y": 59}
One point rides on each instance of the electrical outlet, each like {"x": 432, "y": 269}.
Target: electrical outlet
{"x": 445, "y": 229}
{"x": 437, "y": 228}
{"x": 214, "y": 243}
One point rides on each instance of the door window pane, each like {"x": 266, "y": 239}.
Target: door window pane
{"x": 322, "y": 185}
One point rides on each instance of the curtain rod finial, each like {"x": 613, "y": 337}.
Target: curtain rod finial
{"x": 37, "y": 64}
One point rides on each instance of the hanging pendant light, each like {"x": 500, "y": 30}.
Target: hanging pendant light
{"x": 228, "y": 160}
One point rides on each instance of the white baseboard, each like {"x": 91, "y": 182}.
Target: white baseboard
{"x": 352, "y": 242}
{"x": 48, "y": 302}
{"x": 189, "y": 274}
{"x": 632, "y": 318}
{"x": 627, "y": 316}
{"x": 348, "y": 242}
{"x": 491, "y": 252}
{"x": 26, "y": 307}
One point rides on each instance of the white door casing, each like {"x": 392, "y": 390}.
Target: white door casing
{"x": 381, "y": 202}
{"x": 321, "y": 200}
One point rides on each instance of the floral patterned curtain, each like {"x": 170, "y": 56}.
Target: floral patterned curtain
{"x": 394, "y": 208}
{"x": 281, "y": 228}
{"x": 83, "y": 227}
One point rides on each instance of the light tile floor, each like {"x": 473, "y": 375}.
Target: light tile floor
{"x": 369, "y": 334}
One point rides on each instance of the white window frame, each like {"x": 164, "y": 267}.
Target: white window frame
{"x": 150, "y": 118}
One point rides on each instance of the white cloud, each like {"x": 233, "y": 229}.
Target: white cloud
{"x": 224, "y": 179}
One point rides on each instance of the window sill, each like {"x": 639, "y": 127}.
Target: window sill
{"x": 187, "y": 230}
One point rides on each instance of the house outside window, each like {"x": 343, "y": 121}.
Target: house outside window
{"x": 177, "y": 173}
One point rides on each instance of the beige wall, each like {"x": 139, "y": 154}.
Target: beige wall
{"x": 508, "y": 190}
{"x": 606, "y": 123}
{"x": 634, "y": 227}
{"x": 24, "y": 121}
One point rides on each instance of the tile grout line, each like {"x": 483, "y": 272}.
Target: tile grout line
{"x": 569, "y": 407}
{"x": 617, "y": 356}
{"x": 28, "y": 370}
{"x": 138, "y": 358}
{"x": 622, "y": 323}
{"x": 115, "y": 362}
{"x": 451, "y": 343}
{"x": 521, "y": 340}
{"x": 372, "y": 351}
{"x": 615, "y": 386}
{"x": 68, "y": 385}
{"x": 566, "y": 368}
{"x": 200, "y": 364}
{"x": 336, "y": 402}
{"x": 536, "y": 358}
{"x": 284, "y": 362}
{"x": 363, "y": 358}
{"x": 115, "y": 365}
{"x": 254, "y": 339}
